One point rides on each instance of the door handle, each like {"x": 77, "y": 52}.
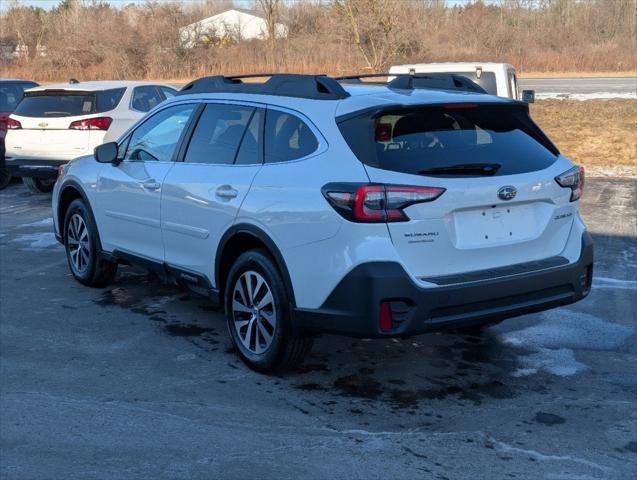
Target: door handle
{"x": 226, "y": 191}
{"x": 151, "y": 184}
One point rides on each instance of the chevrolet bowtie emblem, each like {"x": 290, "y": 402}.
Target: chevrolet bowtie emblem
{"x": 43, "y": 124}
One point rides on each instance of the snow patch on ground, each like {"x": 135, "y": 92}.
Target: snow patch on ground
{"x": 586, "y": 96}
{"x": 557, "y": 335}
{"x": 564, "y": 328}
{"x": 559, "y": 362}
{"x": 47, "y": 222}
{"x": 606, "y": 282}
{"x": 37, "y": 241}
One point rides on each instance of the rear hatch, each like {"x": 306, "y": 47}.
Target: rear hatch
{"x": 501, "y": 205}
{"x": 58, "y": 123}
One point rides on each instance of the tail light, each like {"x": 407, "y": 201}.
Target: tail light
{"x": 13, "y": 124}
{"x": 99, "y": 123}
{"x": 573, "y": 179}
{"x": 374, "y": 203}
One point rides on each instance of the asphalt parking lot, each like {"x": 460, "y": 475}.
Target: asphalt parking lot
{"x": 138, "y": 380}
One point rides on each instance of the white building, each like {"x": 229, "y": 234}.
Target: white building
{"x": 236, "y": 24}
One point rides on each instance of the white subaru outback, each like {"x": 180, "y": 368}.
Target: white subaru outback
{"x": 304, "y": 205}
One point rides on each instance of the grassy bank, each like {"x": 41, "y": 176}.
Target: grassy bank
{"x": 593, "y": 133}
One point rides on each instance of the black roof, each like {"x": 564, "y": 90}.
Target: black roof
{"x": 322, "y": 87}
{"x": 318, "y": 87}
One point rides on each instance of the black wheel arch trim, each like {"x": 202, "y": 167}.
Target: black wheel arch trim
{"x": 77, "y": 187}
{"x": 259, "y": 234}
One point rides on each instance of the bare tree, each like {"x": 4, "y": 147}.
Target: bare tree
{"x": 271, "y": 10}
{"x": 374, "y": 27}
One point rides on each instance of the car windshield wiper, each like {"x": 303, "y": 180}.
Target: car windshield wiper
{"x": 463, "y": 169}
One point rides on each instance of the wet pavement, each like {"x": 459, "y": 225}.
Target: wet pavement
{"x": 139, "y": 380}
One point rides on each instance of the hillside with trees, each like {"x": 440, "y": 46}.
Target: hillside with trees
{"x": 92, "y": 39}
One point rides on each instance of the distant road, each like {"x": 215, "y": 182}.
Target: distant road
{"x": 614, "y": 86}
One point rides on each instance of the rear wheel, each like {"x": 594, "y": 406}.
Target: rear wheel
{"x": 83, "y": 247}
{"x": 39, "y": 185}
{"x": 259, "y": 315}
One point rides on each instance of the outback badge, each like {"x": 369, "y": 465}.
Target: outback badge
{"x": 507, "y": 193}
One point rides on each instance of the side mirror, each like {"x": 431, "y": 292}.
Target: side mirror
{"x": 528, "y": 96}
{"x": 106, "y": 153}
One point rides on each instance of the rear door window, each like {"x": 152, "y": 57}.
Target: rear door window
{"x": 68, "y": 103}
{"x": 287, "y": 137}
{"x": 146, "y": 98}
{"x": 420, "y": 140}
{"x": 219, "y": 131}
{"x": 251, "y": 148}
{"x": 107, "y": 100}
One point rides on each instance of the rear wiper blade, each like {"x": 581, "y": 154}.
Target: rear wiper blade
{"x": 462, "y": 169}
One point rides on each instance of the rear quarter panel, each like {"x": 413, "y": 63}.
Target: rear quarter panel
{"x": 316, "y": 243}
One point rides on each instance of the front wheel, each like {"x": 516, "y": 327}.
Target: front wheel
{"x": 259, "y": 315}
{"x": 39, "y": 185}
{"x": 83, "y": 248}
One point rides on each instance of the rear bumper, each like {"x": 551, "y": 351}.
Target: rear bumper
{"x": 353, "y": 306}
{"x": 22, "y": 167}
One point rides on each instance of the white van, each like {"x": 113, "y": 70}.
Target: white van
{"x": 496, "y": 78}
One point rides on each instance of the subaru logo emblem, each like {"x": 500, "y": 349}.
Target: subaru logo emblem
{"x": 507, "y": 193}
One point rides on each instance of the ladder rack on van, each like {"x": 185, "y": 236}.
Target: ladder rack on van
{"x": 317, "y": 87}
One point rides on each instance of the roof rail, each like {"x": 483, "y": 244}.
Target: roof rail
{"x": 317, "y": 87}
{"x": 356, "y": 79}
{"x": 411, "y": 81}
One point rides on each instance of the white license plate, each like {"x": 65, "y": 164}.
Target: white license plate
{"x": 495, "y": 225}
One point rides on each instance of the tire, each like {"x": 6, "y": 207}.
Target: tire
{"x": 5, "y": 179}
{"x": 251, "y": 317}
{"x": 82, "y": 244}
{"x": 39, "y": 185}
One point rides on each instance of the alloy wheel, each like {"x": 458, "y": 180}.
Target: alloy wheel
{"x": 254, "y": 312}
{"x": 77, "y": 238}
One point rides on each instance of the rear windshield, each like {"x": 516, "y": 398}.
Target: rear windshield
{"x": 417, "y": 140}
{"x": 66, "y": 103}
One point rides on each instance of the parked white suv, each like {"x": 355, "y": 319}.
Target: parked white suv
{"x": 53, "y": 124}
{"x": 304, "y": 206}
